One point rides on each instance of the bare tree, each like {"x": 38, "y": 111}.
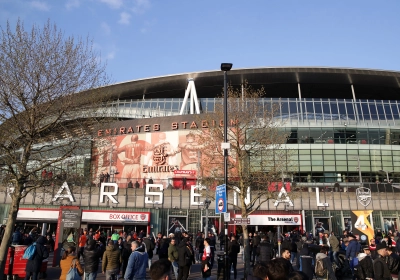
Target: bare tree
{"x": 257, "y": 158}
{"x": 51, "y": 96}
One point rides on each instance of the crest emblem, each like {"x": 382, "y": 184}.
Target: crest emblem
{"x": 296, "y": 219}
{"x": 363, "y": 196}
{"x": 143, "y": 216}
{"x": 160, "y": 155}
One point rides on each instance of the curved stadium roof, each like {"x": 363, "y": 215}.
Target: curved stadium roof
{"x": 315, "y": 82}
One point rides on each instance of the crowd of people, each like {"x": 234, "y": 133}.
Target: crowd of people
{"x": 123, "y": 255}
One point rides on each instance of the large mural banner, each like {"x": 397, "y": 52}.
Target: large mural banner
{"x": 134, "y": 160}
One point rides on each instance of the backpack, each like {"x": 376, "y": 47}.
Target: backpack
{"x": 73, "y": 272}
{"x": 320, "y": 269}
{"x": 29, "y": 253}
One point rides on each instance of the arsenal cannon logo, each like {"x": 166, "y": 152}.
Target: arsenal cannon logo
{"x": 364, "y": 196}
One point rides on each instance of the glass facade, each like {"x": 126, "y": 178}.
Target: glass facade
{"x": 292, "y": 109}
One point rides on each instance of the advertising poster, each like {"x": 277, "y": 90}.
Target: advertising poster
{"x": 361, "y": 225}
{"x": 348, "y": 226}
{"x": 177, "y": 224}
{"x": 320, "y": 225}
{"x": 389, "y": 224}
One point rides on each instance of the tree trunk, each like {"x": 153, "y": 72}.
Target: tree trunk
{"x": 12, "y": 218}
{"x": 246, "y": 251}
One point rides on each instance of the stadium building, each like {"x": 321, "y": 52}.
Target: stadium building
{"x": 343, "y": 126}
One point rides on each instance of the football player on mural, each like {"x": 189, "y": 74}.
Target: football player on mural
{"x": 131, "y": 158}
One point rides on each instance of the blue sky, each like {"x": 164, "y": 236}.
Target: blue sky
{"x": 148, "y": 38}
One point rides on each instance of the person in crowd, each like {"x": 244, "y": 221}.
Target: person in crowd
{"x": 221, "y": 240}
{"x": 68, "y": 260}
{"x": 212, "y": 247}
{"x": 158, "y": 241}
{"x": 334, "y": 246}
{"x": 33, "y": 235}
{"x": 233, "y": 251}
{"x": 16, "y": 238}
{"x": 323, "y": 255}
{"x": 164, "y": 244}
{"x": 365, "y": 267}
{"x": 298, "y": 275}
{"x": 126, "y": 252}
{"x": 352, "y": 250}
{"x": 393, "y": 262}
{"x": 206, "y": 260}
{"x": 137, "y": 264}
{"x": 173, "y": 256}
{"x": 33, "y": 266}
{"x": 185, "y": 259}
{"x": 149, "y": 248}
{"x": 255, "y": 242}
{"x": 265, "y": 250}
{"x": 259, "y": 272}
{"x": 82, "y": 243}
{"x": 293, "y": 250}
{"x": 277, "y": 269}
{"x": 115, "y": 237}
{"x": 91, "y": 258}
{"x": 50, "y": 242}
{"x": 160, "y": 270}
{"x": 286, "y": 259}
{"x": 381, "y": 269}
{"x": 303, "y": 252}
{"x": 199, "y": 245}
{"x": 111, "y": 260}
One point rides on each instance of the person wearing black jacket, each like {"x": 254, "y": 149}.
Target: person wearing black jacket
{"x": 265, "y": 251}
{"x": 163, "y": 252}
{"x": 199, "y": 245}
{"x": 381, "y": 269}
{"x": 148, "y": 243}
{"x": 126, "y": 253}
{"x": 91, "y": 257}
{"x": 185, "y": 259}
{"x": 33, "y": 266}
{"x": 256, "y": 241}
{"x": 393, "y": 262}
{"x": 365, "y": 268}
{"x": 233, "y": 251}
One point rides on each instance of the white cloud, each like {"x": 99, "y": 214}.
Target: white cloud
{"x": 110, "y": 55}
{"x": 106, "y": 28}
{"x": 140, "y": 6}
{"x": 42, "y": 6}
{"x": 115, "y": 4}
{"x": 125, "y": 18}
{"x": 72, "y": 4}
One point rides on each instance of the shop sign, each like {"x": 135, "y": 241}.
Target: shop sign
{"x": 268, "y": 220}
{"x": 116, "y": 216}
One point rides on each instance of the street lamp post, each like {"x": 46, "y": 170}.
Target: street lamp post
{"x": 226, "y": 67}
